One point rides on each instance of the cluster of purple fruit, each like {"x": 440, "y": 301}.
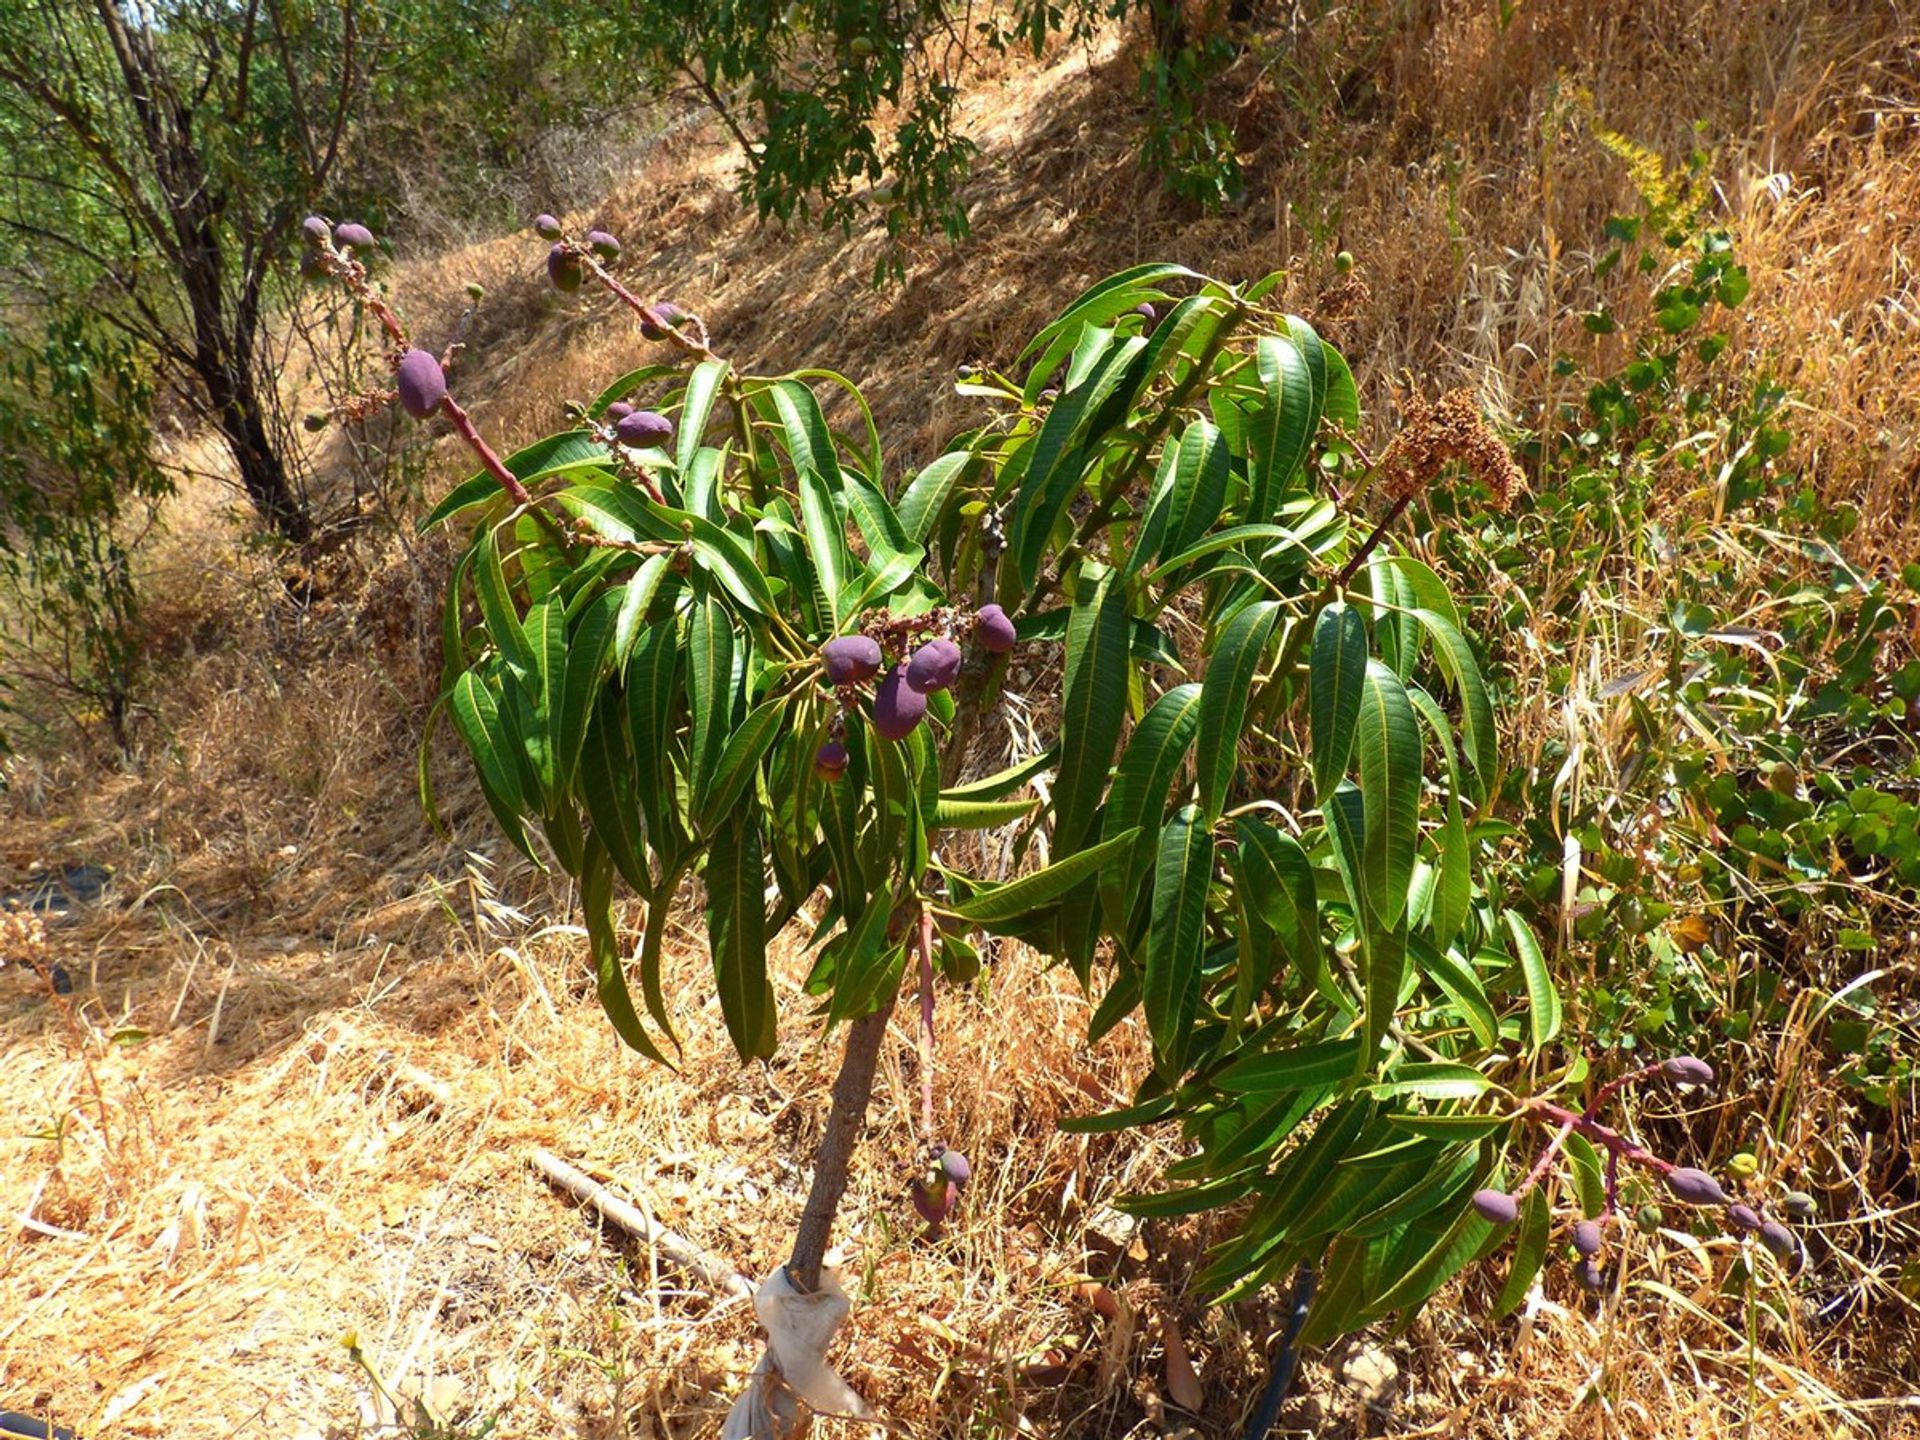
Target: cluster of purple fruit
{"x": 563, "y": 260}
{"x": 418, "y": 376}
{"x": 1687, "y": 1184}
{"x": 900, "y": 699}
{"x": 935, "y": 1195}
{"x": 640, "y": 429}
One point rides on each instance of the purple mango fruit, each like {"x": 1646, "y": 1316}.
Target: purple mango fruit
{"x": 616, "y": 412}
{"x": 563, "y": 268}
{"x": 1592, "y": 1277}
{"x": 315, "y": 230}
{"x": 643, "y": 429}
{"x": 993, "y": 630}
{"x": 1687, "y": 1071}
{"x": 1696, "y": 1187}
{"x": 897, "y": 707}
{"x": 932, "y": 1203}
{"x": 669, "y": 314}
{"x": 1779, "y": 1239}
{"x": 954, "y": 1165}
{"x": 421, "y": 382}
{"x": 1587, "y": 1239}
{"x": 934, "y": 666}
{"x": 546, "y": 226}
{"x": 1146, "y": 312}
{"x": 606, "y": 246}
{"x": 830, "y": 761}
{"x": 352, "y": 236}
{"x": 1743, "y": 1217}
{"x": 850, "y": 659}
{"x": 1496, "y": 1206}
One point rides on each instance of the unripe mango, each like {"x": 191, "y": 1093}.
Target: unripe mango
{"x": 994, "y": 630}
{"x": 563, "y": 268}
{"x": 830, "y": 761}
{"x": 352, "y": 236}
{"x": 1696, "y": 1187}
{"x": 934, "y": 666}
{"x": 898, "y": 708}
{"x": 643, "y": 429}
{"x": 546, "y": 227}
{"x": 850, "y": 659}
{"x": 421, "y": 382}
{"x": 1496, "y": 1206}
{"x": 606, "y": 246}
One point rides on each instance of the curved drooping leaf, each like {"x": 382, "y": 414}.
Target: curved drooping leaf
{"x": 1031, "y": 892}
{"x": 1170, "y": 990}
{"x": 1223, "y": 701}
{"x": 1388, "y": 740}
{"x": 1093, "y": 707}
{"x": 1138, "y": 798}
{"x": 1337, "y": 667}
{"x": 1543, "y": 1000}
{"x": 736, "y": 932}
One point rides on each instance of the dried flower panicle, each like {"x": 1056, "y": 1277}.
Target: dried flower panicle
{"x": 1443, "y": 432}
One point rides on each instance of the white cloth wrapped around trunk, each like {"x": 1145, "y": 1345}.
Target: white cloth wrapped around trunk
{"x": 799, "y": 1329}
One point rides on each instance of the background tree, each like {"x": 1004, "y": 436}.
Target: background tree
{"x": 156, "y": 157}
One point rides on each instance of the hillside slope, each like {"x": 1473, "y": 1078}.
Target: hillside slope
{"x": 312, "y": 1044}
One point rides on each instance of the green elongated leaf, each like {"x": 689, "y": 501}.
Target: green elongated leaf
{"x": 1322, "y": 1063}
{"x": 1307, "y": 1171}
{"x": 476, "y": 715}
{"x": 980, "y": 814}
{"x": 1440, "y": 1180}
{"x": 700, "y": 484}
{"x": 703, "y": 389}
{"x": 1589, "y": 1174}
{"x": 1223, "y": 701}
{"x": 1455, "y": 658}
{"x": 563, "y": 454}
{"x": 1395, "y": 631}
{"x": 1054, "y": 473}
{"x": 1347, "y": 828}
{"x": 635, "y": 598}
{"x": 653, "y": 675}
{"x": 1543, "y": 1000}
{"x": 803, "y": 430}
{"x": 859, "y": 954}
{"x": 879, "y": 523}
{"x": 870, "y": 457}
{"x": 886, "y": 577}
{"x": 627, "y": 384}
{"x": 589, "y": 652}
{"x": 1337, "y": 671}
{"x": 1437, "y": 1265}
{"x": 1271, "y": 1121}
{"x": 1452, "y": 1127}
{"x": 497, "y": 609}
{"x": 1278, "y": 876}
{"x": 1112, "y": 297}
{"x": 1003, "y": 783}
{"x": 739, "y": 762}
{"x": 623, "y": 514}
{"x": 924, "y": 500}
{"x": 1137, "y": 799}
{"x": 1353, "y": 1273}
{"x": 1386, "y": 962}
{"x": 1228, "y": 539}
{"x": 1189, "y": 1200}
{"x": 1280, "y": 431}
{"x": 1001, "y": 903}
{"x": 826, "y": 545}
{"x": 1199, "y": 485}
{"x": 1461, "y": 986}
{"x": 1107, "y": 1122}
{"x": 710, "y": 690}
{"x": 546, "y": 632}
{"x": 1093, "y": 707}
{"x": 1452, "y": 889}
{"x": 1529, "y": 1252}
{"x": 1170, "y": 991}
{"x": 736, "y": 930}
{"x": 610, "y": 977}
{"x": 1434, "y": 1080}
{"x": 606, "y": 785}
{"x": 1388, "y": 739}
{"x": 479, "y": 489}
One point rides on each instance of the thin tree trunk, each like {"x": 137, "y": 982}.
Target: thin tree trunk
{"x": 852, "y": 1089}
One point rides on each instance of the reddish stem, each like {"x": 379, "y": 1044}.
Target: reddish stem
{"x": 1614, "y": 1087}
{"x": 1546, "y": 1158}
{"x": 493, "y": 464}
{"x": 1605, "y": 1136}
{"x": 926, "y": 1025}
{"x": 648, "y": 315}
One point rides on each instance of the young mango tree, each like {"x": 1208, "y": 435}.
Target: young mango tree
{"x": 706, "y": 633}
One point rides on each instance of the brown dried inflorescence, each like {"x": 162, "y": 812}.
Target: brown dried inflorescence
{"x": 1447, "y": 431}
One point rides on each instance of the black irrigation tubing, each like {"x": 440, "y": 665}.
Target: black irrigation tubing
{"x": 1286, "y": 1361}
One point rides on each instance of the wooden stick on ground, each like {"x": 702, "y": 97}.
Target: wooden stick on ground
{"x": 710, "y": 1269}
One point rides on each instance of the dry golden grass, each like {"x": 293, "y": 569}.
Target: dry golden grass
{"x": 249, "y": 1174}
